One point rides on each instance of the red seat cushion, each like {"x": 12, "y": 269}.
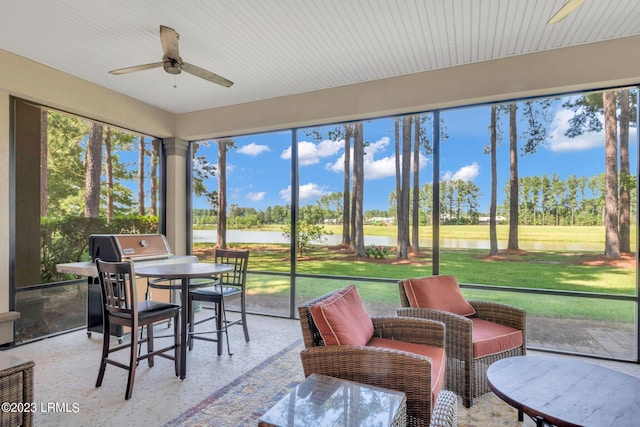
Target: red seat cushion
{"x": 436, "y": 354}
{"x": 491, "y": 338}
{"x": 437, "y": 292}
{"x": 341, "y": 319}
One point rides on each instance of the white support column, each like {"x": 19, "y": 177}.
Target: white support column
{"x": 176, "y": 186}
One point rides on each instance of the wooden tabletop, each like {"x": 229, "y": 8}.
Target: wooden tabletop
{"x": 566, "y": 392}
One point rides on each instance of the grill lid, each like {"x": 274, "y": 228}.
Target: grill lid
{"x": 135, "y": 247}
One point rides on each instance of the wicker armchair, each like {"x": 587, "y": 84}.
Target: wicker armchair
{"x": 381, "y": 367}
{"x": 467, "y": 375}
{"x": 445, "y": 413}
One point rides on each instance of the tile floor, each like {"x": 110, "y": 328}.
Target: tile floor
{"x": 67, "y": 365}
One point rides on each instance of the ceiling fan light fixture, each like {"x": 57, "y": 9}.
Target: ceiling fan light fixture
{"x": 564, "y": 11}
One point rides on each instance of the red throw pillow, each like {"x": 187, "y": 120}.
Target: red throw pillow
{"x": 342, "y": 320}
{"x": 437, "y": 292}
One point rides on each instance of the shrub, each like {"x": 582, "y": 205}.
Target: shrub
{"x": 67, "y": 239}
{"x": 376, "y": 251}
{"x": 307, "y": 233}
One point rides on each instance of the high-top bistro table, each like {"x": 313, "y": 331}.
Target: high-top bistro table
{"x": 567, "y": 393}
{"x": 184, "y": 272}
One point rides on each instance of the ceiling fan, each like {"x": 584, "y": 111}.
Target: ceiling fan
{"x": 172, "y": 63}
{"x": 564, "y": 11}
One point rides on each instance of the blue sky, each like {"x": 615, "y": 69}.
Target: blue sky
{"x": 259, "y": 167}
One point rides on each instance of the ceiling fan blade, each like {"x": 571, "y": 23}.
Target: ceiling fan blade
{"x": 172, "y": 63}
{"x": 564, "y": 11}
{"x": 207, "y": 75}
{"x": 136, "y": 68}
{"x": 169, "y": 39}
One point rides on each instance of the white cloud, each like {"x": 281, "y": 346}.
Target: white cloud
{"x": 558, "y": 142}
{"x": 256, "y": 196}
{"x": 338, "y": 165}
{"x": 329, "y": 147}
{"x": 374, "y": 168}
{"x": 465, "y": 173}
{"x": 253, "y": 149}
{"x": 310, "y": 153}
{"x": 306, "y": 192}
{"x": 381, "y": 168}
{"x": 311, "y": 191}
{"x": 285, "y": 194}
{"x": 378, "y": 168}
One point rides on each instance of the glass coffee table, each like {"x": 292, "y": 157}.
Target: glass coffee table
{"x": 326, "y": 401}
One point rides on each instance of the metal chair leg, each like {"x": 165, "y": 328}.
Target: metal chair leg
{"x": 223, "y": 315}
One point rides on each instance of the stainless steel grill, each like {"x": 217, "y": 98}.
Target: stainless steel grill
{"x": 135, "y": 247}
{"x": 142, "y": 249}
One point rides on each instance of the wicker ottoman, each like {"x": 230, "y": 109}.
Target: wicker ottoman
{"x": 16, "y": 387}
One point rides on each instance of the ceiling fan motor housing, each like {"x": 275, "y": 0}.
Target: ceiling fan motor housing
{"x": 171, "y": 66}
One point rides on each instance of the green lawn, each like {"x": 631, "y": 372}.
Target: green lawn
{"x": 526, "y": 233}
{"x": 560, "y": 270}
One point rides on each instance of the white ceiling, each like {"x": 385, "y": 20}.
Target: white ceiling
{"x": 273, "y": 48}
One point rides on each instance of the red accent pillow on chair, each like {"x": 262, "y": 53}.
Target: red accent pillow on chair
{"x": 437, "y": 292}
{"x": 341, "y": 319}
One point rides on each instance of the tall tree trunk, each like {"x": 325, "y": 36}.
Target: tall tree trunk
{"x": 108, "y": 166}
{"x": 141, "y": 176}
{"x": 222, "y": 193}
{"x": 396, "y": 137}
{"x": 625, "y": 174}
{"x": 612, "y": 243}
{"x": 513, "y": 179}
{"x": 352, "y": 219}
{"x": 93, "y": 171}
{"x": 403, "y": 226}
{"x": 358, "y": 186}
{"x": 155, "y": 155}
{"x": 415, "y": 204}
{"x": 44, "y": 163}
{"x": 346, "y": 202}
{"x": 493, "y": 235}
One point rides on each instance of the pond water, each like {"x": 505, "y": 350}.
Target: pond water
{"x": 266, "y": 237}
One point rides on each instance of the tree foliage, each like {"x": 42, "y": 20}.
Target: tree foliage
{"x": 307, "y": 233}
{"x": 89, "y": 189}
{"x": 203, "y": 170}
{"x": 589, "y": 112}
{"x": 66, "y": 239}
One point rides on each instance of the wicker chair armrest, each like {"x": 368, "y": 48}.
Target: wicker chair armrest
{"x": 445, "y": 411}
{"x": 503, "y": 314}
{"x": 413, "y": 330}
{"x": 451, "y": 320}
{"x": 458, "y": 343}
{"x": 380, "y": 367}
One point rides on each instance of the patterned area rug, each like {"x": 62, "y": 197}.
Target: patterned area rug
{"x": 489, "y": 410}
{"x": 244, "y": 400}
